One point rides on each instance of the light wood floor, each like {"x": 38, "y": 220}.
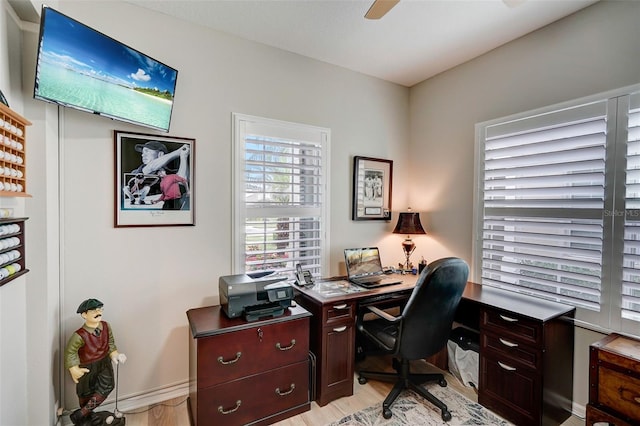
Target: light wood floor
{"x": 174, "y": 412}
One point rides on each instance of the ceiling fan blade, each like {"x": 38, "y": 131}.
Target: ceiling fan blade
{"x": 379, "y": 8}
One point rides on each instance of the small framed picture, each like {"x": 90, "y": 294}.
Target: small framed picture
{"x": 372, "y": 180}
{"x": 154, "y": 178}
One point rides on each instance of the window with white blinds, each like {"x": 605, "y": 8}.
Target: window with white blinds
{"x": 630, "y": 303}
{"x": 559, "y": 207}
{"x": 280, "y": 195}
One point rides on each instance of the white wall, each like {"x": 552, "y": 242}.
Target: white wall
{"x": 13, "y": 296}
{"x": 592, "y": 51}
{"x": 149, "y": 277}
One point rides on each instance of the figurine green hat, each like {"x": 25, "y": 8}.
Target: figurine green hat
{"x": 88, "y": 305}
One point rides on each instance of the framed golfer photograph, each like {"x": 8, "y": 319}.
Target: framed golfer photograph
{"x": 154, "y": 180}
{"x": 372, "y": 179}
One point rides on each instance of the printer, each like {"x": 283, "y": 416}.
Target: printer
{"x": 254, "y": 298}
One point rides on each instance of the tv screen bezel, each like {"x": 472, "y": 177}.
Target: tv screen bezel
{"x": 79, "y": 107}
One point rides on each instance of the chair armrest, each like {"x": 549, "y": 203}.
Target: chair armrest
{"x": 382, "y": 314}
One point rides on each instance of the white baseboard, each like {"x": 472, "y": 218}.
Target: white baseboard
{"x": 137, "y": 401}
{"x": 133, "y": 402}
{"x": 578, "y": 410}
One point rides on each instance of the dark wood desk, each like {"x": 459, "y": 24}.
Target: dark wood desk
{"x": 526, "y": 345}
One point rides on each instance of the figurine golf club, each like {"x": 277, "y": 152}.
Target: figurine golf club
{"x": 89, "y": 355}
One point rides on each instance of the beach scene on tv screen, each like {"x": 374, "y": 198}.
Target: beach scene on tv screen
{"x": 78, "y": 66}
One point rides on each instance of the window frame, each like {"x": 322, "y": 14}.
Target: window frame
{"x": 609, "y": 318}
{"x": 288, "y": 130}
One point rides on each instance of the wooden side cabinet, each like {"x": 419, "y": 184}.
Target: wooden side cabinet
{"x": 614, "y": 381}
{"x": 247, "y": 373}
{"x": 332, "y": 341}
{"x": 526, "y": 366}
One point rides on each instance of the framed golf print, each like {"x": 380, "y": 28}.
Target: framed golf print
{"x": 154, "y": 180}
{"x": 372, "y": 179}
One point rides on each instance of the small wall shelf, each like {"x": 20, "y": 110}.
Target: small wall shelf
{"x": 13, "y": 157}
{"x": 12, "y": 249}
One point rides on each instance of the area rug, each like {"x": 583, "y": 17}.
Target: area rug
{"x": 411, "y": 410}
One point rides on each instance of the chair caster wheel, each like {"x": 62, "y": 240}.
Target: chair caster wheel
{"x": 442, "y": 383}
{"x": 446, "y": 416}
{"x": 386, "y": 413}
{"x": 362, "y": 380}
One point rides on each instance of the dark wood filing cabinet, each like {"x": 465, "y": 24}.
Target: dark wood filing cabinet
{"x": 614, "y": 381}
{"x": 526, "y": 367}
{"x": 243, "y": 372}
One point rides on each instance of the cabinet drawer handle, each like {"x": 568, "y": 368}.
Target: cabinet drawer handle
{"x": 508, "y": 343}
{"x": 286, "y": 348}
{"x": 340, "y": 329}
{"x": 509, "y": 319}
{"x": 231, "y": 410}
{"x": 293, "y": 386}
{"x": 342, "y": 306}
{"x": 506, "y": 367}
{"x": 231, "y": 361}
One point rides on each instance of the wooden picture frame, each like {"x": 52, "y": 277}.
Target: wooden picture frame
{"x": 372, "y": 184}
{"x": 154, "y": 180}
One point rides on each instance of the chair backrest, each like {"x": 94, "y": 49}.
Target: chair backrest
{"x": 430, "y": 311}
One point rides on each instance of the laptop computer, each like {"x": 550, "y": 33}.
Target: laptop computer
{"x": 364, "y": 268}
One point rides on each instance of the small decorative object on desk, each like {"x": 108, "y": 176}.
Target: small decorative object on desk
{"x": 422, "y": 265}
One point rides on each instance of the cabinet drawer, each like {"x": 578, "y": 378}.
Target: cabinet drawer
{"x": 511, "y": 351}
{"x": 338, "y": 312}
{"x": 242, "y": 401}
{"x": 229, "y": 356}
{"x": 513, "y": 326}
{"x": 619, "y": 391}
{"x": 510, "y": 391}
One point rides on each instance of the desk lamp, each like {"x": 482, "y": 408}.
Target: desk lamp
{"x": 408, "y": 223}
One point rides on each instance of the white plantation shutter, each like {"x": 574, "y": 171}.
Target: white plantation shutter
{"x": 558, "y": 207}
{"x": 281, "y": 195}
{"x": 631, "y": 263}
{"x": 543, "y": 204}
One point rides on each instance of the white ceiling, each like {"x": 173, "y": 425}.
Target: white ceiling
{"x": 416, "y": 40}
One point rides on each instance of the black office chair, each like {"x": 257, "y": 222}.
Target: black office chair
{"x": 421, "y": 330}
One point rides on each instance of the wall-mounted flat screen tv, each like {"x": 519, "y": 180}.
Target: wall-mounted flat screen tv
{"x": 82, "y": 68}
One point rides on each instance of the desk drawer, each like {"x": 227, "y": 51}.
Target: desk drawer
{"x": 339, "y": 312}
{"x": 512, "y": 326}
{"x": 510, "y": 391}
{"x": 228, "y": 356}
{"x": 255, "y": 397}
{"x": 510, "y": 351}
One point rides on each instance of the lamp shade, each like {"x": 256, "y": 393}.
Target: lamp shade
{"x": 409, "y": 223}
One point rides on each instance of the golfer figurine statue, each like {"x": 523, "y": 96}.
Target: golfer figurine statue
{"x": 89, "y": 355}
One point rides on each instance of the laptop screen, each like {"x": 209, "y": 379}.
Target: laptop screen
{"x": 362, "y": 261}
